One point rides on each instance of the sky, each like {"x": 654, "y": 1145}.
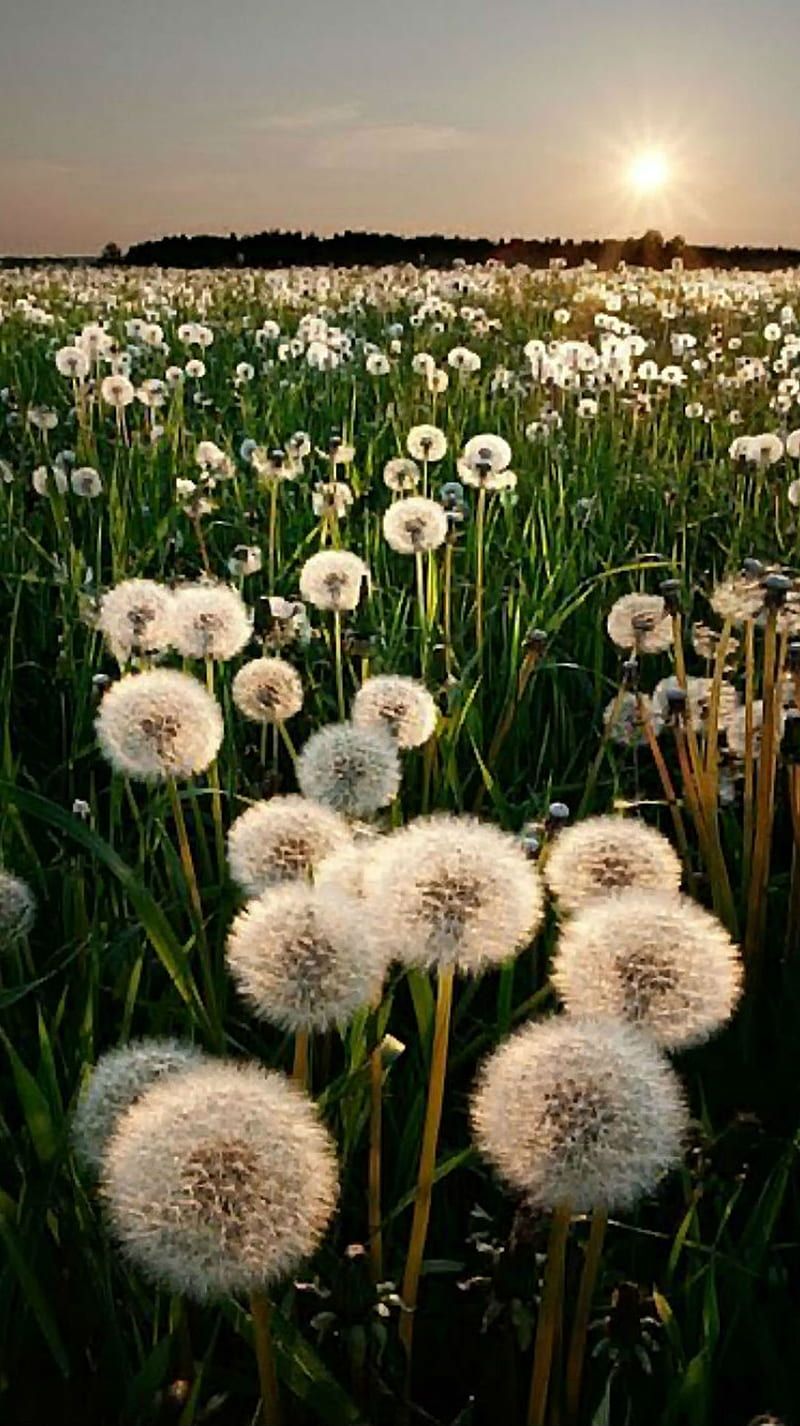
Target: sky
{"x": 122, "y": 121}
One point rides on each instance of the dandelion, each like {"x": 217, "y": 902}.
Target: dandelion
{"x": 268, "y": 690}
{"x": 605, "y": 855}
{"x": 44, "y": 480}
{"x": 17, "y": 909}
{"x": 580, "y": 1112}
{"x": 283, "y": 839}
{"x": 303, "y": 959}
{"x": 401, "y": 705}
{"x": 697, "y": 693}
{"x": 654, "y": 958}
{"x": 400, "y": 474}
{"x": 117, "y": 1082}
{"x": 86, "y": 482}
{"x": 209, "y": 621}
{"x": 354, "y": 771}
{"x": 136, "y": 618}
{"x": 641, "y": 623}
{"x": 624, "y": 719}
{"x": 159, "y": 724}
{"x": 220, "y": 1181}
{"x": 426, "y": 443}
{"x": 739, "y": 598}
{"x": 414, "y": 525}
{"x": 117, "y": 391}
{"x": 332, "y": 580}
{"x": 72, "y": 362}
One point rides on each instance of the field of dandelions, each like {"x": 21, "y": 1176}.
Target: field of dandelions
{"x": 400, "y": 819}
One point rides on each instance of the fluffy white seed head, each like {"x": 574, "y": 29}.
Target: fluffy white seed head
{"x": 355, "y": 771}
{"x": 268, "y": 690}
{"x": 17, "y": 908}
{"x": 118, "y": 1080}
{"x": 655, "y": 958}
{"x": 580, "y": 1112}
{"x": 159, "y": 724}
{"x": 451, "y": 890}
{"x": 426, "y": 443}
{"x": 220, "y": 1181}
{"x": 305, "y": 958}
{"x": 640, "y": 623}
{"x": 332, "y": 580}
{"x": 284, "y": 839}
{"x": 698, "y": 700}
{"x": 402, "y": 706}
{"x": 136, "y": 618}
{"x": 210, "y": 621}
{"x": 415, "y": 525}
{"x": 603, "y": 855}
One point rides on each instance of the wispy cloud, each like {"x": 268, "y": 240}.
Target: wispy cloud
{"x": 378, "y": 145}
{"x": 305, "y": 120}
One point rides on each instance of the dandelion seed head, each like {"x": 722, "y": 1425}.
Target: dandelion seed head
{"x": 654, "y": 958}
{"x": 698, "y": 700}
{"x": 580, "y": 1112}
{"x": 305, "y": 958}
{"x": 268, "y": 690}
{"x": 136, "y": 618}
{"x": 402, "y": 706}
{"x": 117, "y": 1081}
{"x": 209, "y": 621}
{"x": 220, "y": 1181}
{"x": 426, "y": 442}
{"x": 283, "y": 839}
{"x": 159, "y": 724}
{"x": 739, "y": 598}
{"x": 353, "y": 770}
{"x": 332, "y": 580}
{"x": 414, "y": 525}
{"x": 605, "y": 855}
{"x": 401, "y": 474}
{"x": 17, "y": 909}
{"x": 640, "y": 622}
{"x": 450, "y": 890}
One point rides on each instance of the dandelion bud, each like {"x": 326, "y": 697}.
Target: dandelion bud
{"x": 220, "y": 1181}
{"x": 654, "y": 958}
{"x": 582, "y": 1114}
{"x": 302, "y": 957}
{"x": 159, "y": 724}
{"x": 117, "y": 1081}
{"x": 283, "y": 839}
{"x": 603, "y": 855}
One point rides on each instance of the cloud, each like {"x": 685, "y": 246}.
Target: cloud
{"x": 377, "y": 145}
{"x": 304, "y": 120}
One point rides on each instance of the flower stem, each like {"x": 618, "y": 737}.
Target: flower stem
{"x": 337, "y": 641}
{"x": 479, "y": 529}
{"x": 374, "y": 1216}
{"x": 583, "y": 1307}
{"x": 549, "y": 1314}
{"x": 427, "y": 1161}
{"x": 300, "y": 1065}
{"x": 261, "y": 1311}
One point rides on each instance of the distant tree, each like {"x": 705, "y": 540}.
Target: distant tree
{"x": 111, "y": 254}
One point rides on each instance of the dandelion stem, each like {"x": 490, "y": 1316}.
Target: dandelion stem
{"x": 749, "y": 761}
{"x": 337, "y": 641}
{"x": 427, "y": 1161}
{"x": 374, "y": 1216}
{"x": 196, "y": 904}
{"x": 583, "y": 1307}
{"x": 300, "y": 1065}
{"x": 549, "y": 1315}
{"x": 261, "y": 1312}
{"x": 479, "y": 529}
{"x": 273, "y": 527}
{"x": 216, "y": 791}
{"x": 765, "y": 797}
{"x": 447, "y": 613}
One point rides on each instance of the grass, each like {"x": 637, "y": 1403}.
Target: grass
{"x": 695, "y": 1310}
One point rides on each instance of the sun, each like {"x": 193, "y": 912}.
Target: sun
{"x": 648, "y": 172}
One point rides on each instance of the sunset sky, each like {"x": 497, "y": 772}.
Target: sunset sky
{"x": 123, "y": 121}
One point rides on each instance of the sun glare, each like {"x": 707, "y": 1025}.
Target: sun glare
{"x": 648, "y": 172}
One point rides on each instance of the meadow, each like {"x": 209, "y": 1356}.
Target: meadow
{"x": 459, "y": 1084}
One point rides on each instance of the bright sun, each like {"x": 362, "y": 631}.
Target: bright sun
{"x": 648, "y": 172}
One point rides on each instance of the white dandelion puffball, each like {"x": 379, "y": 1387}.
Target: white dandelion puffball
{"x": 333, "y": 579}
{"x": 71, "y": 361}
{"x": 268, "y": 690}
{"x": 414, "y": 525}
{"x": 402, "y": 706}
{"x": 655, "y": 958}
{"x": 220, "y": 1181}
{"x": 355, "y": 771}
{"x": 136, "y": 618}
{"x": 117, "y": 1081}
{"x": 283, "y": 839}
{"x": 697, "y": 700}
{"x": 486, "y": 454}
{"x": 452, "y": 891}
{"x": 640, "y": 623}
{"x": 117, "y": 391}
{"x": 401, "y": 474}
{"x": 209, "y": 621}
{"x": 159, "y": 724}
{"x": 604, "y": 855}
{"x": 426, "y": 443}
{"x": 579, "y": 1113}
{"x": 17, "y": 908}
{"x": 305, "y": 958}
{"x": 739, "y": 598}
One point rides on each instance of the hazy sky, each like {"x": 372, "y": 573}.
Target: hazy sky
{"x": 120, "y": 120}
